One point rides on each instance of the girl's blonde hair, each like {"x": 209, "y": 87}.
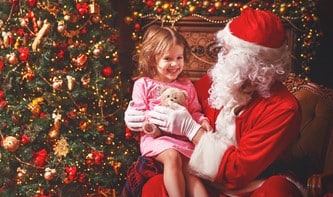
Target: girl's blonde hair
{"x": 156, "y": 41}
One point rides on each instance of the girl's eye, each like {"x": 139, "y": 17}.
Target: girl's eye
{"x": 180, "y": 58}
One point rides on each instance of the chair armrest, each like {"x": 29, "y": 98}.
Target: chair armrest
{"x": 319, "y": 184}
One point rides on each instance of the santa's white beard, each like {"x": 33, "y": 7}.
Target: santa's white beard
{"x": 228, "y": 75}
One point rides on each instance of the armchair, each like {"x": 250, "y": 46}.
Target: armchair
{"x": 312, "y": 153}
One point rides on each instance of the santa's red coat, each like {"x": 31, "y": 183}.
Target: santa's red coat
{"x": 264, "y": 130}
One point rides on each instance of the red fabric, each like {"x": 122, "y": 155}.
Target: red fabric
{"x": 241, "y": 165}
{"x": 277, "y": 186}
{"x": 264, "y": 131}
{"x": 259, "y": 27}
{"x": 154, "y": 187}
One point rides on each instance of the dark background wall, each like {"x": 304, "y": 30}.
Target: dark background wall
{"x": 322, "y": 65}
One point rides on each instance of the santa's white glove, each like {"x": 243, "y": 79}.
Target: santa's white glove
{"x": 176, "y": 120}
{"x": 134, "y": 119}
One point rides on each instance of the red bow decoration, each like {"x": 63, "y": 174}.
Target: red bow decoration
{"x": 24, "y": 54}
{"x": 40, "y": 157}
{"x": 82, "y": 8}
{"x": 25, "y": 139}
{"x": 71, "y": 172}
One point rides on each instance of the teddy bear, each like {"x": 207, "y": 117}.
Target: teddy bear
{"x": 167, "y": 95}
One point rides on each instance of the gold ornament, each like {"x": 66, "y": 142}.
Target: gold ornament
{"x": 6, "y": 38}
{"x": 84, "y": 125}
{"x": 192, "y": 9}
{"x": 12, "y": 58}
{"x": 67, "y": 17}
{"x": 97, "y": 51}
{"x": 35, "y": 107}
{"x": 109, "y": 138}
{"x": 57, "y": 83}
{"x": 94, "y": 8}
{"x": 70, "y": 82}
{"x": 85, "y": 81}
{"x": 61, "y": 148}
{"x": 100, "y": 128}
{"x": 128, "y": 20}
{"x": 53, "y": 134}
{"x": 116, "y": 165}
{"x": 10, "y": 143}
{"x": 20, "y": 175}
{"x": 49, "y": 174}
{"x": 61, "y": 26}
{"x": 29, "y": 75}
{"x": 218, "y": 5}
{"x": 205, "y": 4}
{"x": 96, "y": 18}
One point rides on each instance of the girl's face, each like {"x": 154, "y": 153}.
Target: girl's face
{"x": 170, "y": 64}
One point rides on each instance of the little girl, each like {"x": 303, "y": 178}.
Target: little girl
{"x": 160, "y": 64}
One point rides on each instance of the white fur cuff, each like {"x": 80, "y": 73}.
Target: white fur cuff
{"x": 207, "y": 155}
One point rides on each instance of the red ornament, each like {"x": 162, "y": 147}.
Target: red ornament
{"x": 24, "y": 54}
{"x": 15, "y": 2}
{"x": 71, "y": 172}
{"x": 184, "y": 3}
{"x": 84, "y": 31}
{"x": 98, "y": 156}
{"x": 2, "y": 64}
{"x": 159, "y": 10}
{"x": 81, "y": 178}
{"x": 107, "y": 71}
{"x": 212, "y": 10}
{"x": 32, "y": 3}
{"x": 82, "y": 8}
{"x": 113, "y": 38}
{"x": 128, "y": 133}
{"x": 40, "y": 157}
{"x": 137, "y": 27}
{"x": 25, "y": 139}
{"x": 150, "y": 3}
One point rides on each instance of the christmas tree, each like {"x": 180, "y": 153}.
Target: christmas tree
{"x": 62, "y": 99}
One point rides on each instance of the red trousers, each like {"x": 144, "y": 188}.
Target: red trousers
{"x": 275, "y": 186}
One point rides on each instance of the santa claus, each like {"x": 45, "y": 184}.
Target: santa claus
{"x": 255, "y": 116}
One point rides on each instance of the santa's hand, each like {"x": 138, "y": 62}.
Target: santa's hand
{"x": 176, "y": 120}
{"x": 134, "y": 119}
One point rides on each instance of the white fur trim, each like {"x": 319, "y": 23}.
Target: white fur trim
{"x": 207, "y": 155}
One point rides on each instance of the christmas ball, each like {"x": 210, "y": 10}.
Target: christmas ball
{"x": 12, "y": 58}
{"x": 48, "y": 176}
{"x": 107, "y": 71}
{"x": 10, "y": 143}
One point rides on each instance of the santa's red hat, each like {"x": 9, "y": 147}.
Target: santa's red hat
{"x": 258, "y": 27}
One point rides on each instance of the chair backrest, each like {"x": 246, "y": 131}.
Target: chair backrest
{"x": 313, "y": 150}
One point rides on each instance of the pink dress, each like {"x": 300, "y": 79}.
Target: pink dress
{"x": 146, "y": 95}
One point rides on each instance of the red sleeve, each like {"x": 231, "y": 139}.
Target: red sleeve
{"x": 263, "y": 132}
